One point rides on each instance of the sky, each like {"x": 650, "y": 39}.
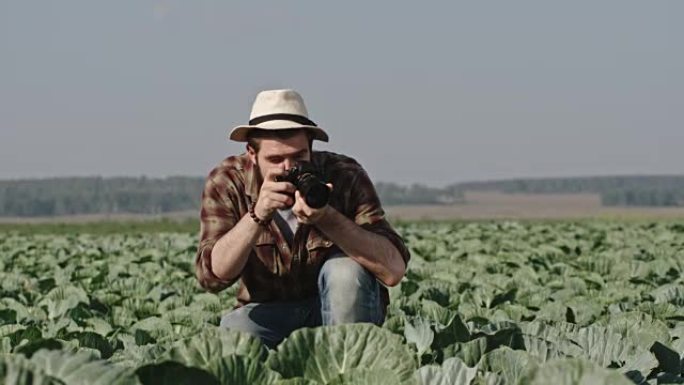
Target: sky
{"x": 431, "y": 92}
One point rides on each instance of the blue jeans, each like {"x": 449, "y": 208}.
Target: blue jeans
{"x": 347, "y": 293}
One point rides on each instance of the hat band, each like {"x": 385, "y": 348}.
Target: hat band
{"x": 291, "y": 117}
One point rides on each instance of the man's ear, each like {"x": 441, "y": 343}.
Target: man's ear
{"x": 252, "y": 154}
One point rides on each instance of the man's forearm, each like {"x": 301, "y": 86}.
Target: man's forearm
{"x": 230, "y": 253}
{"x": 374, "y": 252}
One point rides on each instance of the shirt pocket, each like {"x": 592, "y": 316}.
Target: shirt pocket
{"x": 317, "y": 242}
{"x": 318, "y": 247}
{"x": 267, "y": 253}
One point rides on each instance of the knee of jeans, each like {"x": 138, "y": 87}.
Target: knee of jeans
{"x": 237, "y": 319}
{"x": 343, "y": 273}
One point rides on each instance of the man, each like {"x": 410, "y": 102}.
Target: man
{"x": 298, "y": 266}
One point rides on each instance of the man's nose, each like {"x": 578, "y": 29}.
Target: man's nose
{"x": 289, "y": 163}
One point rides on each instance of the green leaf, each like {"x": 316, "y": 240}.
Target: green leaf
{"x": 30, "y": 348}
{"x": 241, "y": 370}
{"x": 17, "y": 370}
{"x": 639, "y": 366}
{"x": 296, "y": 381}
{"x": 190, "y": 316}
{"x": 362, "y": 376}
{"x": 135, "y": 356}
{"x": 158, "y": 328}
{"x": 452, "y": 372}
{"x": 541, "y": 349}
{"x": 5, "y": 345}
{"x": 448, "y": 325}
{"x": 200, "y": 350}
{"x": 489, "y": 378}
{"x": 668, "y": 359}
{"x": 323, "y": 353}
{"x": 502, "y": 334}
{"x": 23, "y": 336}
{"x": 639, "y": 328}
{"x": 395, "y": 324}
{"x": 99, "y": 326}
{"x": 143, "y": 337}
{"x": 62, "y": 299}
{"x": 574, "y": 372}
{"x": 670, "y": 293}
{"x": 92, "y": 340}
{"x": 420, "y": 334}
{"x": 604, "y": 347}
{"x": 174, "y": 373}
{"x": 511, "y": 365}
{"x": 81, "y": 368}
{"x": 8, "y": 316}
{"x": 470, "y": 352}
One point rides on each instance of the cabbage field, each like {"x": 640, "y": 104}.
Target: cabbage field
{"x": 482, "y": 303}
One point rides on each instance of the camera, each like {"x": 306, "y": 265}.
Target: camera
{"x": 306, "y": 180}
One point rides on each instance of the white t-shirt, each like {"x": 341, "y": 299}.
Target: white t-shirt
{"x": 289, "y": 217}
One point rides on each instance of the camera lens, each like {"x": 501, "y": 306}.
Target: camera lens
{"x": 315, "y": 193}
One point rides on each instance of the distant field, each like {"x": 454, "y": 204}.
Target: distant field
{"x": 478, "y": 206}
{"x": 494, "y": 205}
{"x": 89, "y": 218}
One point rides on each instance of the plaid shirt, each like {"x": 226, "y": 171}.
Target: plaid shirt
{"x": 275, "y": 271}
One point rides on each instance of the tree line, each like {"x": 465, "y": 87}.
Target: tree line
{"x": 97, "y": 195}
{"x": 637, "y": 190}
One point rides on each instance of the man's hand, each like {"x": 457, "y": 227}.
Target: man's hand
{"x": 306, "y": 214}
{"x": 273, "y": 195}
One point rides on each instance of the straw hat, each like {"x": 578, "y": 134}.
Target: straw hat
{"x": 278, "y": 110}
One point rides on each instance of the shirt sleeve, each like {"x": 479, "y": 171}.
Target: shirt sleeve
{"x": 370, "y": 215}
{"x": 217, "y": 217}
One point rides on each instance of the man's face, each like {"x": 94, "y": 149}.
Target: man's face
{"x": 280, "y": 153}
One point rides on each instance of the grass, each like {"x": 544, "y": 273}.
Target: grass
{"x": 105, "y": 227}
{"x": 192, "y": 225}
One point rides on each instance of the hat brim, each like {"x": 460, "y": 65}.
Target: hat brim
{"x": 239, "y": 133}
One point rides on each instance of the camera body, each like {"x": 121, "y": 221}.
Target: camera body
{"x": 305, "y": 178}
